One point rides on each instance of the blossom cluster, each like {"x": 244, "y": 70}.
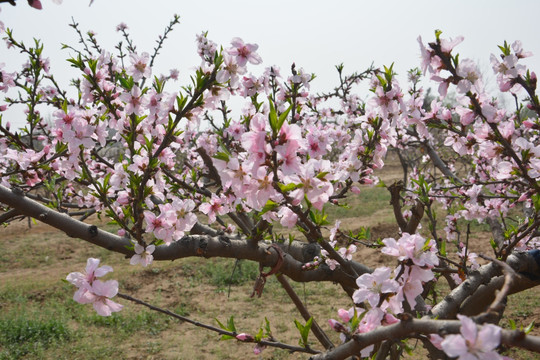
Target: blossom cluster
{"x": 93, "y": 291}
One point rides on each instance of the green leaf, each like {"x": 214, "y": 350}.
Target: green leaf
{"x": 408, "y": 349}
{"x": 230, "y": 324}
{"x": 269, "y": 206}
{"x": 307, "y": 328}
{"x": 282, "y": 118}
{"x": 272, "y": 117}
{"x": 259, "y": 335}
{"x": 442, "y": 248}
{"x": 512, "y": 324}
{"x": 304, "y": 331}
{"x": 536, "y": 201}
{"x": 355, "y": 321}
{"x": 229, "y": 327}
{"x": 505, "y": 49}
{"x": 78, "y": 63}
{"x": 222, "y": 156}
{"x": 289, "y": 187}
{"x": 318, "y": 217}
{"x": 126, "y": 83}
{"x": 529, "y": 328}
{"x": 493, "y": 244}
{"x": 268, "y": 331}
{"x": 426, "y": 246}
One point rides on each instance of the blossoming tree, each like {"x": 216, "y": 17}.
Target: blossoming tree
{"x": 181, "y": 176}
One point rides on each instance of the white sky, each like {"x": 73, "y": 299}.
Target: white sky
{"x": 316, "y": 35}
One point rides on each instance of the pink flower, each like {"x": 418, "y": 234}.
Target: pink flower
{"x": 160, "y": 225}
{"x": 94, "y": 291}
{"x": 139, "y": 66}
{"x": 121, "y": 27}
{"x": 244, "y": 52}
{"x": 504, "y": 169}
{"x": 346, "y": 253}
{"x": 468, "y": 70}
{"x": 139, "y": 164}
{"x": 185, "y": 218}
{"x": 100, "y": 295}
{"x": 230, "y": 71}
{"x": 205, "y": 47}
{"x": 142, "y": 255}
{"x": 371, "y": 286}
{"x": 134, "y": 101}
{"x": 288, "y": 217}
{"x": 448, "y": 45}
{"x": 215, "y": 206}
{"x": 473, "y": 344}
{"x": 413, "y": 247}
{"x": 92, "y": 272}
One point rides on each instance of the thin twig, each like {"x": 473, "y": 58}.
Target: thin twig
{"x": 220, "y": 331}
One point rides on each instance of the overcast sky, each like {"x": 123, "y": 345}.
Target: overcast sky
{"x": 316, "y": 35}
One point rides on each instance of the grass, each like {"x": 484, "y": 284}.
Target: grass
{"x": 38, "y": 320}
{"x": 20, "y": 335}
{"x": 370, "y": 201}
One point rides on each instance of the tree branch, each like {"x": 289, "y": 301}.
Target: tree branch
{"x": 405, "y": 328}
{"x": 297, "y": 253}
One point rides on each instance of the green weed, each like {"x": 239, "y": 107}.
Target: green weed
{"x": 21, "y": 335}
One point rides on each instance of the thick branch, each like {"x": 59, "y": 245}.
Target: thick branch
{"x": 297, "y": 253}
{"x": 466, "y": 297}
{"x": 8, "y": 215}
{"x": 405, "y": 329}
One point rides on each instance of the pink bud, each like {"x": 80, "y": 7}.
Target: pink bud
{"x": 344, "y": 315}
{"x": 505, "y": 86}
{"x": 244, "y": 337}
{"x": 390, "y": 319}
{"x": 523, "y": 197}
{"x": 446, "y": 115}
{"x": 528, "y": 124}
{"x": 36, "y": 4}
{"x": 336, "y": 325}
{"x": 258, "y": 349}
{"x": 355, "y": 190}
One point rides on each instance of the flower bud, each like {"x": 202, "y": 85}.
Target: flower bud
{"x": 244, "y": 337}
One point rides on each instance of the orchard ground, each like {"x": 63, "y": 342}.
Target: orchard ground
{"x": 41, "y": 321}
